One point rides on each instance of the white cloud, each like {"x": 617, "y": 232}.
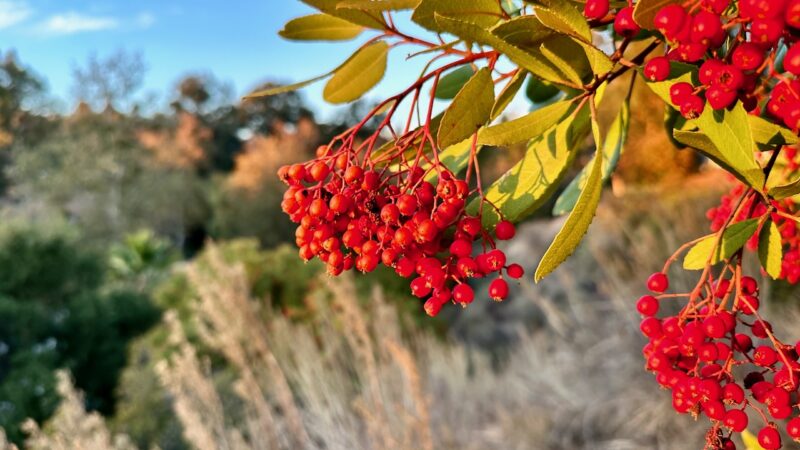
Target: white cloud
{"x": 13, "y": 12}
{"x": 74, "y": 22}
{"x": 145, "y": 20}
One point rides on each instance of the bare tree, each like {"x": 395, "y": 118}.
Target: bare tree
{"x": 110, "y": 81}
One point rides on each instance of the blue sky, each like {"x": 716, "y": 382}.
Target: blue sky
{"x": 234, "y": 39}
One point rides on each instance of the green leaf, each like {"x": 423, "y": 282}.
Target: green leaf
{"x": 703, "y": 144}
{"x": 563, "y": 17}
{"x": 728, "y": 130}
{"x": 770, "y": 249}
{"x": 527, "y": 127}
{"x": 612, "y": 148}
{"x": 450, "y": 84}
{"x": 733, "y": 239}
{"x": 320, "y": 27}
{"x": 539, "y": 91}
{"x": 508, "y": 93}
{"x": 785, "y": 191}
{"x": 283, "y": 89}
{"x": 532, "y": 61}
{"x": 370, "y": 19}
{"x": 534, "y": 179}
{"x": 577, "y": 223}
{"x": 599, "y": 61}
{"x": 568, "y": 57}
{"x": 768, "y": 135}
{"x": 469, "y": 110}
{"x": 358, "y": 75}
{"x": 378, "y": 5}
{"x": 526, "y": 32}
{"x": 482, "y": 13}
{"x": 645, "y": 11}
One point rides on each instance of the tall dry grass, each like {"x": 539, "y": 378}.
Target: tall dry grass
{"x": 357, "y": 381}
{"x": 358, "y": 378}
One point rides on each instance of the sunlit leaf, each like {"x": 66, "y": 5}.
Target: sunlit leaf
{"x": 452, "y": 82}
{"x": 320, "y": 27}
{"x": 770, "y": 250}
{"x": 577, "y": 224}
{"x": 469, "y": 110}
{"x": 534, "y": 179}
{"x": 531, "y": 61}
{"x": 508, "y": 93}
{"x": 370, "y": 19}
{"x": 527, "y": 127}
{"x": 708, "y": 252}
{"x": 378, "y": 5}
{"x": 563, "y": 17}
{"x": 612, "y": 147}
{"x": 358, "y": 75}
{"x": 482, "y": 13}
{"x": 286, "y": 88}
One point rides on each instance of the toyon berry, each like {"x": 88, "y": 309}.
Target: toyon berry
{"x": 515, "y": 271}
{"x": 647, "y": 305}
{"x": 658, "y": 282}
{"x": 657, "y": 69}
{"x": 624, "y": 25}
{"x": 596, "y": 9}
{"x": 504, "y": 230}
{"x": 769, "y": 438}
{"x": 498, "y": 289}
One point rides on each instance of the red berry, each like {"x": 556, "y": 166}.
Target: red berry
{"x": 791, "y": 61}
{"x": 714, "y": 327}
{"x": 679, "y": 92}
{"x": 736, "y": 420}
{"x": 657, "y": 69}
{"x": 748, "y": 56}
{"x": 793, "y": 428}
{"x": 651, "y": 327}
{"x": 670, "y": 19}
{"x": 390, "y": 214}
{"x": 353, "y": 174}
{"x": 733, "y": 393}
{"x": 658, "y": 282}
{"x": 705, "y": 26}
{"x": 504, "y": 230}
{"x": 647, "y": 305}
{"x": 792, "y": 14}
{"x": 319, "y": 171}
{"x": 692, "y": 107}
{"x": 769, "y": 438}
{"x": 463, "y": 294}
{"x": 595, "y": 9}
{"x": 433, "y": 306}
{"x": 721, "y": 98}
{"x": 498, "y": 289}
{"x": 765, "y": 356}
{"x": 460, "y": 248}
{"x": 515, "y": 271}
{"x": 624, "y": 25}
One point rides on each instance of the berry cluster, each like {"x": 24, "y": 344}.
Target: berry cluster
{"x": 354, "y": 214}
{"x": 755, "y": 207}
{"x": 738, "y": 47}
{"x": 694, "y": 353}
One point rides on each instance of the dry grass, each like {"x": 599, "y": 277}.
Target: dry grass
{"x": 357, "y": 382}
{"x": 357, "y": 379}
